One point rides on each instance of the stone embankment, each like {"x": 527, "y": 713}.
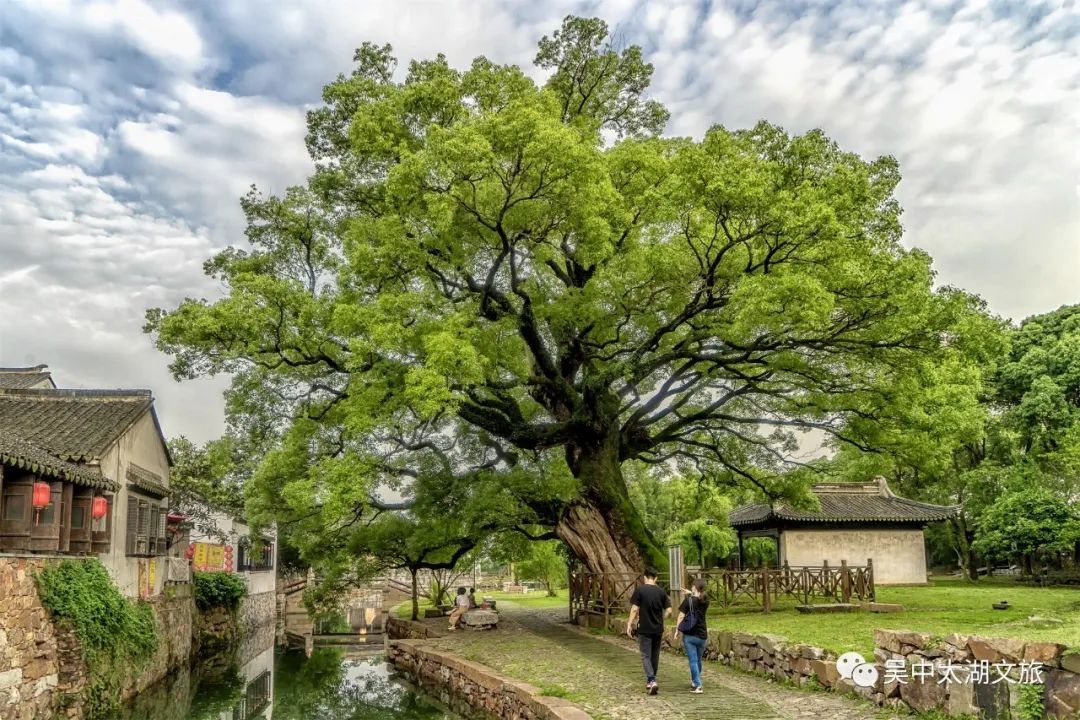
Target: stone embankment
{"x": 478, "y": 690}
{"x": 955, "y": 675}
{"x": 42, "y": 672}
{"x": 408, "y": 630}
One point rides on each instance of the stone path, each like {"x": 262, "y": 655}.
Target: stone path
{"x": 603, "y": 675}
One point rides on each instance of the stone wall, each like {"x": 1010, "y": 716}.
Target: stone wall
{"x": 42, "y": 671}
{"x": 408, "y": 630}
{"x": 804, "y": 665}
{"x": 256, "y": 611}
{"x": 474, "y": 689}
{"x": 29, "y": 660}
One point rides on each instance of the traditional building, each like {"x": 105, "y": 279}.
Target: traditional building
{"x": 856, "y": 522}
{"x": 84, "y": 472}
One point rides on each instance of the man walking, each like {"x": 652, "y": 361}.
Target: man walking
{"x": 649, "y": 605}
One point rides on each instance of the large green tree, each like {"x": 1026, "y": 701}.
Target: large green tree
{"x": 483, "y": 270}
{"x": 1028, "y": 523}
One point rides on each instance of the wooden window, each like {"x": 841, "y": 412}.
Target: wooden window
{"x": 132, "y": 537}
{"x": 79, "y": 535}
{"x": 145, "y": 528}
{"x": 142, "y": 540}
{"x": 255, "y": 559}
{"x": 14, "y": 505}
{"x": 65, "y": 516}
{"x": 15, "y": 521}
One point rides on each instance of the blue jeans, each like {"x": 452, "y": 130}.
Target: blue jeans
{"x": 695, "y": 650}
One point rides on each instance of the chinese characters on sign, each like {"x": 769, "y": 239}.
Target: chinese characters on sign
{"x": 853, "y": 666}
{"x": 210, "y": 557}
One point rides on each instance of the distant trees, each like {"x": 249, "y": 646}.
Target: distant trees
{"x": 545, "y": 562}
{"x": 1000, "y": 436}
{"x": 1029, "y": 524}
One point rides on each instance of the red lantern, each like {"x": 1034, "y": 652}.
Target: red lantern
{"x": 99, "y": 508}
{"x": 190, "y": 552}
{"x": 42, "y": 495}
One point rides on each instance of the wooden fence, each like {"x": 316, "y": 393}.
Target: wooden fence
{"x": 600, "y": 594}
{"x": 805, "y": 584}
{"x": 605, "y": 595}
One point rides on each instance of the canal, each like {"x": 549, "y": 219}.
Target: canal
{"x": 331, "y": 684}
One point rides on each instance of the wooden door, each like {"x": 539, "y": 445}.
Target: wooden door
{"x": 45, "y": 531}
{"x": 79, "y": 537}
{"x": 16, "y": 513}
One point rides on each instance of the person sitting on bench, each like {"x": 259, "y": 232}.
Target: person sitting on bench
{"x": 461, "y": 605}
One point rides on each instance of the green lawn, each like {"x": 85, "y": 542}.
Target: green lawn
{"x": 945, "y": 606}
{"x": 536, "y": 599}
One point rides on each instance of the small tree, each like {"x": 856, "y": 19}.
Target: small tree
{"x": 704, "y": 538}
{"x": 545, "y": 563}
{"x": 1027, "y": 523}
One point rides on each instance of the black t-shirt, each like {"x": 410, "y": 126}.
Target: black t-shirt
{"x": 652, "y": 601}
{"x": 701, "y": 606}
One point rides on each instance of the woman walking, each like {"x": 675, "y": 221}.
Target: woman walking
{"x": 695, "y": 633}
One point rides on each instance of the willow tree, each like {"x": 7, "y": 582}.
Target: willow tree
{"x": 484, "y": 269}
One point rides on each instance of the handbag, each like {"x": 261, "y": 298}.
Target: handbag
{"x": 690, "y": 620}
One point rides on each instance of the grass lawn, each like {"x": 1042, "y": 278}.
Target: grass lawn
{"x": 945, "y": 606}
{"x": 536, "y": 600}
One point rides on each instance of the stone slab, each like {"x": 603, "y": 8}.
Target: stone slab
{"x": 827, "y": 608}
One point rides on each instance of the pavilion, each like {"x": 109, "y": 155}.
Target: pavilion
{"x": 856, "y": 522}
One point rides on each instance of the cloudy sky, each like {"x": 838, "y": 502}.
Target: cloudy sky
{"x": 130, "y": 128}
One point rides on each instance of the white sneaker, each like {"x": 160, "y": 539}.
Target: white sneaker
{"x": 697, "y": 690}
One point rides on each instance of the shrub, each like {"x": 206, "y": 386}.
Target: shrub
{"x": 116, "y": 635}
{"x": 218, "y": 589}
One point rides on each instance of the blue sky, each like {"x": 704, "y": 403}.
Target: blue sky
{"x": 129, "y": 129}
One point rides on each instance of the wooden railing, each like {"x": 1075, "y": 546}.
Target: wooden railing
{"x": 602, "y": 594}
{"x": 761, "y": 587}
{"x": 607, "y": 595}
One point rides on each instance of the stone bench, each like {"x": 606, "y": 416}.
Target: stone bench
{"x": 480, "y": 619}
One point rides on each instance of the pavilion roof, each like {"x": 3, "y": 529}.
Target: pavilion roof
{"x": 871, "y": 502}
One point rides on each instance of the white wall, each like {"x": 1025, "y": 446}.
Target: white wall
{"x": 140, "y": 445}
{"x": 899, "y": 555}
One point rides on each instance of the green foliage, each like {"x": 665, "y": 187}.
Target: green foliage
{"x": 1027, "y": 522}
{"x": 218, "y": 589}
{"x": 701, "y": 539}
{"x": 116, "y": 635}
{"x": 1032, "y": 704}
{"x": 492, "y": 294}
{"x": 206, "y": 474}
{"x": 545, "y": 563}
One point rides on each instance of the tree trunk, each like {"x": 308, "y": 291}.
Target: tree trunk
{"x": 415, "y": 596}
{"x": 603, "y": 529}
{"x": 968, "y": 561}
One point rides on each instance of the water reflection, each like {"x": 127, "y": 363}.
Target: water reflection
{"x": 285, "y": 685}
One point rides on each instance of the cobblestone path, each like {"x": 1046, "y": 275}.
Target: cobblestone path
{"x": 603, "y": 675}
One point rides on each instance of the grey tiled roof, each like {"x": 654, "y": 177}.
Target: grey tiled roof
{"x": 853, "y": 502}
{"x": 16, "y": 452}
{"x": 75, "y": 425}
{"x": 19, "y": 378}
